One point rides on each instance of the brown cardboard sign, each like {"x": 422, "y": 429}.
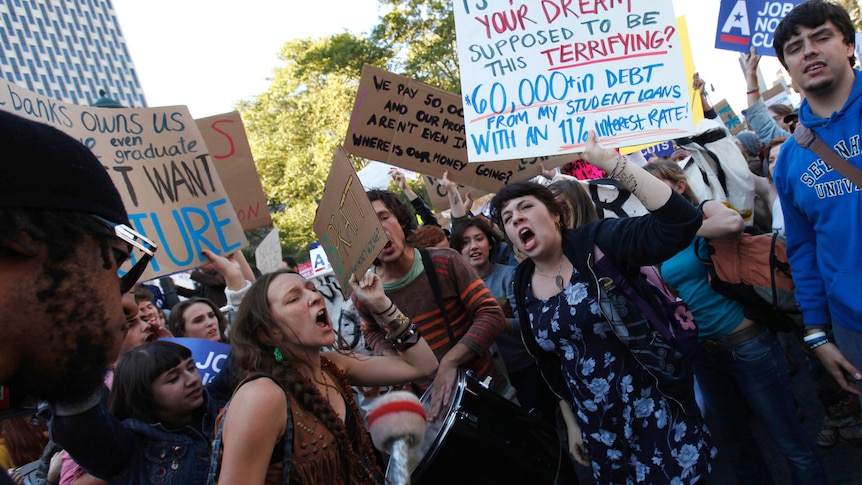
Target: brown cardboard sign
{"x": 345, "y": 223}
{"x": 440, "y": 198}
{"x": 227, "y": 142}
{"x": 413, "y": 125}
{"x": 163, "y": 170}
{"x": 730, "y": 119}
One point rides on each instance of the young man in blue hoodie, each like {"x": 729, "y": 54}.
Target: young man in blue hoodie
{"x": 822, "y": 209}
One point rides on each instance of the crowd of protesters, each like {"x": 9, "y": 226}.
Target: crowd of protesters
{"x": 519, "y": 296}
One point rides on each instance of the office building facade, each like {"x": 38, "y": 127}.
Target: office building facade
{"x": 68, "y": 50}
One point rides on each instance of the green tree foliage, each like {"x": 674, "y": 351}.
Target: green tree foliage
{"x": 421, "y": 34}
{"x": 295, "y": 126}
{"x": 852, "y": 6}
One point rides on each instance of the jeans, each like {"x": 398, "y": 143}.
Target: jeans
{"x": 752, "y": 377}
{"x": 850, "y": 343}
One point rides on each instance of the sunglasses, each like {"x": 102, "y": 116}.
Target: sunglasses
{"x": 135, "y": 240}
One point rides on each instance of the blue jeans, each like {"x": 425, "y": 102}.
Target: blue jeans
{"x": 850, "y": 344}
{"x": 752, "y": 377}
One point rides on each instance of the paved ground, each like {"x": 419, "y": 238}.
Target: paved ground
{"x": 843, "y": 461}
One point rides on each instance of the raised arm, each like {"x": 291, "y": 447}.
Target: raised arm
{"x": 415, "y": 359}
{"x": 652, "y": 192}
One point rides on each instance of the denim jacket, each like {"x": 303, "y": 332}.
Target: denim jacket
{"x": 135, "y": 452}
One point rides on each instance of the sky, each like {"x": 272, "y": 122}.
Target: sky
{"x": 210, "y": 54}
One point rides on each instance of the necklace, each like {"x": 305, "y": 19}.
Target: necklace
{"x": 558, "y": 279}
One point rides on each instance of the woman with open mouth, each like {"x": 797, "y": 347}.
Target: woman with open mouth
{"x": 628, "y": 427}
{"x": 293, "y": 418}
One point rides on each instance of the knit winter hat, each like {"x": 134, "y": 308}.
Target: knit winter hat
{"x": 750, "y": 142}
{"x": 43, "y": 168}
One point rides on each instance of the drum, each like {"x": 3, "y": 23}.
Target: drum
{"x": 484, "y": 438}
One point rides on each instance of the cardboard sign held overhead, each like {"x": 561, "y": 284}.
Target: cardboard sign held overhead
{"x": 346, "y": 225}
{"x": 440, "y": 198}
{"x": 267, "y": 256}
{"x": 730, "y": 119}
{"x": 412, "y": 125}
{"x": 163, "y": 170}
{"x": 226, "y": 140}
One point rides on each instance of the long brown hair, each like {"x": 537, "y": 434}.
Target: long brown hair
{"x": 577, "y": 200}
{"x": 177, "y": 319}
{"x": 25, "y": 437}
{"x": 253, "y": 344}
{"x": 671, "y": 171}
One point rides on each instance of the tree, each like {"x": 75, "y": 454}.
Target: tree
{"x": 295, "y": 126}
{"x": 421, "y": 36}
{"x": 852, "y": 7}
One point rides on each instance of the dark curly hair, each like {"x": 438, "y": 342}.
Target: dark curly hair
{"x": 811, "y": 14}
{"x": 253, "y": 344}
{"x": 406, "y": 217}
{"x": 523, "y": 189}
{"x": 61, "y": 231}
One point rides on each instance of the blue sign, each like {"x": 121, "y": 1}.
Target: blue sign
{"x": 661, "y": 150}
{"x": 743, "y": 23}
{"x": 209, "y": 356}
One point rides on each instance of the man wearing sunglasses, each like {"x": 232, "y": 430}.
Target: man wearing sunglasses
{"x": 63, "y": 238}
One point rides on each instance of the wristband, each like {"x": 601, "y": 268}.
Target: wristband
{"x": 814, "y": 336}
{"x": 398, "y": 325}
{"x": 752, "y": 91}
{"x": 818, "y": 344}
{"x": 754, "y": 88}
{"x": 391, "y": 304}
{"x": 407, "y": 339}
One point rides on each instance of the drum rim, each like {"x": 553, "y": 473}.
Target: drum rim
{"x": 445, "y": 426}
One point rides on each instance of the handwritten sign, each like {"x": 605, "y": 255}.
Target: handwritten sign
{"x": 439, "y": 197}
{"x": 537, "y": 75}
{"x": 346, "y": 224}
{"x": 161, "y": 167}
{"x": 418, "y": 127}
{"x": 267, "y": 256}
{"x": 743, "y": 23}
{"x": 728, "y": 116}
{"x": 225, "y": 137}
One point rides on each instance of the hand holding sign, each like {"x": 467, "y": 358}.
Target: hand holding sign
{"x": 369, "y": 292}
{"x": 603, "y": 158}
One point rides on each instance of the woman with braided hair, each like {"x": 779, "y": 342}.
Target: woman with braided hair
{"x": 295, "y": 399}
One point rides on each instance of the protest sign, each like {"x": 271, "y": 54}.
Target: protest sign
{"x": 439, "y": 198}
{"x": 743, "y": 23}
{"x": 777, "y": 95}
{"x": 267, "y": 256}
{"x": 161, "y": 167}
{"x": 346, "y": 224}
{"x": 226, "y": 140}
{"x": 727, "y": 115}
{"x": 209, "y": 356}
{"x": 412, "y": 125}
{"x": 660, "y": 150}
{"x": 538, "y": 75}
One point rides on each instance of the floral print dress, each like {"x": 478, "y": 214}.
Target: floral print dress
{"x": 632, "y": 433}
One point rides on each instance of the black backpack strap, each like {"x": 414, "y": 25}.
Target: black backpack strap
{"x": 288, "y": 446}
{"x": 431, "y": 273}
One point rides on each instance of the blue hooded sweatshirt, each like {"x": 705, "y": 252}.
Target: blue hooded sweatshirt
{"x": 823, "y": 217}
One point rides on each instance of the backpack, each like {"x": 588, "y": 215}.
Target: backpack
{"x": 668, "y": 314}
{"x": 753, "y": 269}
{"x": 654, "y": 325}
